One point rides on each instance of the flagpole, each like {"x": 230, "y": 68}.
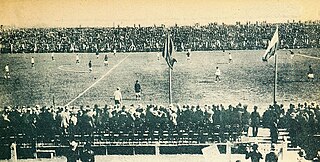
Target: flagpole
{"x": 170, "y": 86}
{"x": 275, "y": 79}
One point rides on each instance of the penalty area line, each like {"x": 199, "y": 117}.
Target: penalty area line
{"x": 104, "y": 75}
{"x": 60, "y": 68}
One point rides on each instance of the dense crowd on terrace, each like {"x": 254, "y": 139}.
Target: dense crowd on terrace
{"x": 137, "y": 39}
{"x": 300, "y": 120}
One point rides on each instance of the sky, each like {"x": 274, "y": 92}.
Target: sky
{"x": 97, "y": 13}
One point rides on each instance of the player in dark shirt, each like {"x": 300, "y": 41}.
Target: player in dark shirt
{"x": 106, "y": 63}
{"x": 310, "y": 73}
{"x": 90, "y": 66}
{"x": 137, "y": 89}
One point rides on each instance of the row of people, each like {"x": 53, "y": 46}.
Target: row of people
{"x": 115, "y": 117}
{"x": 197, "y": 38}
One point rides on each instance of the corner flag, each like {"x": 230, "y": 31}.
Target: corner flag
{"x": 167, "y": 52}
{"x": 272, "y": 47}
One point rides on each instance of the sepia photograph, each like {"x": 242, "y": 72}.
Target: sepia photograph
{"x": 159, "y": 80}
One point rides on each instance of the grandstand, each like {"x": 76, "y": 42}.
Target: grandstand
{"x": 249, "y": 36}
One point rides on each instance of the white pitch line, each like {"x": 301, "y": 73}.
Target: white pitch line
{"x": 108, "y": 72}
{"x": 60, "y": 67}
{"x": 308, "y": 56}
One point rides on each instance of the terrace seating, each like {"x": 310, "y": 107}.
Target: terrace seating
{"x": 146, "y": 39}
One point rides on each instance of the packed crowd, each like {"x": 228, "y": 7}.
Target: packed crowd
{"x": 137, "y": 39}
{"x": 65, "y": 120}
{"x": 301, "y": 121}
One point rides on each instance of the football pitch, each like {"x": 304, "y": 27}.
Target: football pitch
{"x": 246, "y": 80}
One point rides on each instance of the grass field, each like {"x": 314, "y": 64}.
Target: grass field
{"x": 247, "y": 80}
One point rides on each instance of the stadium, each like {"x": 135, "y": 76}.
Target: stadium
{"x": 51, "y": 96}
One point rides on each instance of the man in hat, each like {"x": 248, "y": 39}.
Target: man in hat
{"x": 73, "y": 153}
{"x": 272, "y": 156}
{"x": 87, "y": 154}
{"x": 117, "y": 97}
{"x": 255, "y": 155}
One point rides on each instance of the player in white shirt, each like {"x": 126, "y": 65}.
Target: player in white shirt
{"x": 117, "y": 97}
{"x": 7, "y": 72}
{"x": 114, "y": 52}
{"x": 32, "y": 61}
{"x": 77, "y": 59}
{"x": 230, "y": 58}
{"x": 218, "y": 73}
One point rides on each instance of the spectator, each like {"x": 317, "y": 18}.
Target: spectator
{"x": 272, "y": 156}
{"x": 255, "y": 121}
{"x": 87, "y": 154}
{"x": 73, "y": 152}
{"x": 255, "y": 155}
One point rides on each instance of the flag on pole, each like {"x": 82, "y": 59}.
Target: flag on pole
{"x": 167, "y": 52}
{"x": 272, "y": 47}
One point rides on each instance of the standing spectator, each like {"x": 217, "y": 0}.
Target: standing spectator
{"x": 6, "y": 72}
{"x": 255, "y": 121}
{"x": 274, "y": 132}
{"x": 255, "y": 155}
{"x": 32, "y": 61}
{"x": 245, "y": 120}
{"x": 218, "y": 73}
{"x": 310, "y": 73}
{"x": 65, "y": 118}
{"x": 87, "y": 154}
{"x": 137, "y": 90}
{"x": 272, "y": 157}
{"x": 90, "y": 66}
{"x": 317, "y": 158}
{"x": 73, "y": 153}
{"x": 117, "y": 97}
